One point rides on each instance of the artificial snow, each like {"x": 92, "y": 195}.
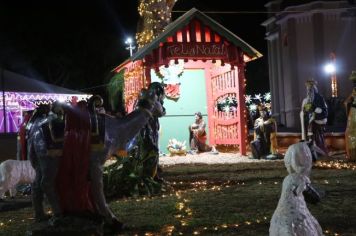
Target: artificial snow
{"x": 207, "y": 158}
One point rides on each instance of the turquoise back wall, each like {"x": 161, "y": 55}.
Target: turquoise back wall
{"x": 180, "y": 114}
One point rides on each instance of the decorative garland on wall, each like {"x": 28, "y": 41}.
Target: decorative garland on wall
{"x": 170, "y": 77}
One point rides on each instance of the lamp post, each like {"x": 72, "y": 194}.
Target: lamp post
{"x": 130, "y": 47}
{"x": 330, "y": 69}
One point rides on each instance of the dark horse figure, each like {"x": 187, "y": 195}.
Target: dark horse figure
{"x": 89, "y": 138}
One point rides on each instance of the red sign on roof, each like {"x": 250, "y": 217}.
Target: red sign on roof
{"x": 196, "y": 50}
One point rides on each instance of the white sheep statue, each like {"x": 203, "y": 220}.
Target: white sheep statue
{"x": 292, "y": 217}
{"x": 14, "y": 172}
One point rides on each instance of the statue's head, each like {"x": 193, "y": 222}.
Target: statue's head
{"x": 157, "y": 89}
{"x": 298, "y": 159}
{"x": 82, "y": 105}
{"x": 354, "y": 92}
{"x": 149, "y": 99}
{"x": 58, "y": 108}
{"x": 198, "y": 116}
{"x": 263, "y": 111}
{"x": 353, "y": 78}
{"x": 95, "y": 102}
{"x": 43, "y": 109}
{"x": 311, "y": 87}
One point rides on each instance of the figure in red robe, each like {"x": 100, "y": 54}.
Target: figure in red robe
{"x": 198, "y": 137}
{"x": 21, "y": 137}
{"x": 72, "y": 180}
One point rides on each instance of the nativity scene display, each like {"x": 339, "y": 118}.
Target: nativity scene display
{"x": 177, "y": 142}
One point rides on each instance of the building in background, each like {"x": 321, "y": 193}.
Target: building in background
{"x": 20, "y": 94}
{"x": 302, "y": 39}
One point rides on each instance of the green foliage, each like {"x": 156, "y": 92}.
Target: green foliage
{"x": 115, "y": 90}
{"x": 126, "y": 178}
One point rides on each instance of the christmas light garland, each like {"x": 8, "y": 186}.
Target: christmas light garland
{"x": 185, "y": 213}
{"x": 155, "y": 16}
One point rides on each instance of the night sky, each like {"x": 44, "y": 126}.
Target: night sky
{"x": 76, "y": 44}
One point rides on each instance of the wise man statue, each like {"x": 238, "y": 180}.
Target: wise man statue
{"x": 350, "y": 133}
{"x": 313, "y": 116}
{"x": 264, "y": 144}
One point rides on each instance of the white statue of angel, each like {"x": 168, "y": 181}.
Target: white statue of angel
{"x": 292, "y": 217}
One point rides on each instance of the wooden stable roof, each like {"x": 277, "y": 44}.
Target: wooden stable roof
{"x": 199, "y": 28}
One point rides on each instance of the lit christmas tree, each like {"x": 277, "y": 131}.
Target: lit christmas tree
{"x": 155, "y": 15}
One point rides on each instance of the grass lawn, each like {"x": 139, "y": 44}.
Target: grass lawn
{"x": 234, "y": 199}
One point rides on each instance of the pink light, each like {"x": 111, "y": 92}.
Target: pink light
{"x": 17, "y": 102}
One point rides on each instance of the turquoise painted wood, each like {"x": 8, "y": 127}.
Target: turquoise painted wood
{"x": 180, "y": 114}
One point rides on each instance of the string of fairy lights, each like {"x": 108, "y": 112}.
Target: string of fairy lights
{"x": 336, "y": 164}
{"x": 155, "y": 15}
{"x": 185, "y": 214}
